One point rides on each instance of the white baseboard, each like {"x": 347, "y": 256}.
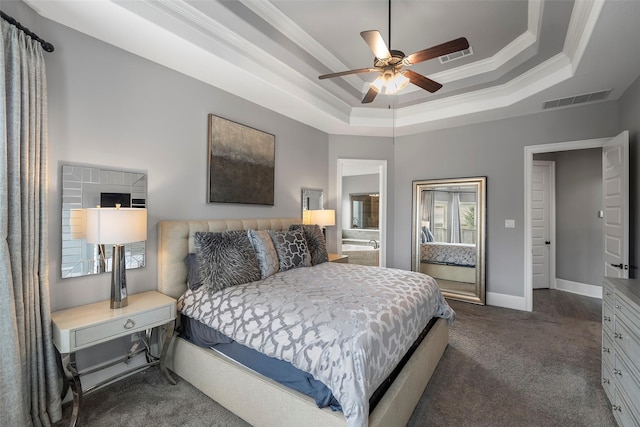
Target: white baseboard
{"x": 579, "y": 288}
{"x": 517, "y": 303}
{"x": 506, "y": 301}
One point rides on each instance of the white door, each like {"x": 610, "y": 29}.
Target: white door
{"x": 615, "y": 177}
{"x": 541, "y": 224}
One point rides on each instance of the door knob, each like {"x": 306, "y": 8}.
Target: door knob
{"x": 547, "y": 242}
{"x": 621, "y": 266}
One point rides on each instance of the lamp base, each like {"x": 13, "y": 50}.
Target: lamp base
{"x": 118, "y": 278}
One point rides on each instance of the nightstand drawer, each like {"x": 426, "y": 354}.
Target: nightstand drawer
{"x": 122, "y": 326}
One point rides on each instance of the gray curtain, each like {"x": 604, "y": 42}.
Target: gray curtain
{"x": 29, "y": 386}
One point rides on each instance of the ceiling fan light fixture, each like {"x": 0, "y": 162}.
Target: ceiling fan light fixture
{"x": 396, "y": 84}
{"x": 378, "y": 84}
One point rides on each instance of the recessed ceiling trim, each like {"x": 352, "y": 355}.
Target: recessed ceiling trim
{"x": 584, "y": 16}
{"x": 274, "y": 16}
{"x": 270, "y": 13}
{"x": 545, "y": 75}
{"x": 517, "y": 46}
{"x": 289, "y": 93}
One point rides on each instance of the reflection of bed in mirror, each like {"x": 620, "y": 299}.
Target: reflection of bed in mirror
{"x": 450, "y": 261}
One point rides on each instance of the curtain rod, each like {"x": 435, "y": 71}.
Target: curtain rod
{"x": 45, "y": 45}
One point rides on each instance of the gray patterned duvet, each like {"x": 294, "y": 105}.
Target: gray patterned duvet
{"x": 347, "y": 325}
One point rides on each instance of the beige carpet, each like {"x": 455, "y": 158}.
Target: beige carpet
{"x": 502, "y": 368}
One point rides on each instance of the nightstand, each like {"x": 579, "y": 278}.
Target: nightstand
{"x": 85, "y": 326}
{"x": 339, "y": 258}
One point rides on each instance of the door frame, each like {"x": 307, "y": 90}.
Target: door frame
{"x": 529, "y": 151}
{"x": 551, "y": 165}
{"x": 382, "y": 207}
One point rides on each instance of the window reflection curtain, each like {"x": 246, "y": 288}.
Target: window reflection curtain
{"x": 454, "y": 228}
{"x": 428, "y": 206}
{"x": 29, "y": 387}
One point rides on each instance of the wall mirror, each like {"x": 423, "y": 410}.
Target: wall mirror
{"x": 312, "y": 199}
{"x": 364, "y": 210}
{"x": 448, "y": 235}
{"x": 87, "y": 187}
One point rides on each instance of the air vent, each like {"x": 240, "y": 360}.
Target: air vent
{"x": 456, "y": 55}
{"x": 578, "y": 99}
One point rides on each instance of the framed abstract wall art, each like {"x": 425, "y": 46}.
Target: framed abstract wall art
{"x": 241, "y": 163}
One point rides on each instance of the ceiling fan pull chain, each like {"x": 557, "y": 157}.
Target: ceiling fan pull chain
{"x": 389, "y": 24}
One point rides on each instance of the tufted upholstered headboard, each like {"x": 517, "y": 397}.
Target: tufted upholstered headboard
{"x": 175, "y": 242}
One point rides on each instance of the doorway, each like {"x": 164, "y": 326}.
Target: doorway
{"x": 591, "y": 290}
{"x": 375, "y": 170}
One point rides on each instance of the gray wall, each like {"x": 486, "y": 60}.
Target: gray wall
{"x": 579, "y": 252}
{"x": 494, "y": 150}
{"x": 108, "y": 107}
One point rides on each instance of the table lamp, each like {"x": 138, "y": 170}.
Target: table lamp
{"x": 116, "y": 226}
{"x": 323, "y": 218}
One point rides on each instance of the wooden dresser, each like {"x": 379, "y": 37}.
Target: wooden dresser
{"x": 621, "y": 348}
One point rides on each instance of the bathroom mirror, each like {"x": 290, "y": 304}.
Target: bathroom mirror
{"x": 312, "y": 199}
{"x": 365, "y": 210}
{"x": 87, "y": 187}
{"x": 448, "y": 235}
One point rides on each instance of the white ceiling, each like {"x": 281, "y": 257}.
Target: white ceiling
{"x": 271, "y": 53}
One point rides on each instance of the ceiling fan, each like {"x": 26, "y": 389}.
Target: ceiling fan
{"x": 391, "y": 64}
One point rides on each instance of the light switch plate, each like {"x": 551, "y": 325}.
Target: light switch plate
{"x": 509, "y": 223}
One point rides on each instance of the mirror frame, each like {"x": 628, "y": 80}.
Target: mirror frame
{"x": 303, "y": 196}
{"x": 353, "y": 216}
{"x": 480, "y": 183}
{"x": 81, "y": 185}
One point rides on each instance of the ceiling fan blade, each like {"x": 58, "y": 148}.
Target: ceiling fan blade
{"x": 346, "y": 73}
{"x": 422, "y": 81}
{"x": 370, "y": 96}
{"x": 376, "y": 44}
{"x": 439, "y": 50}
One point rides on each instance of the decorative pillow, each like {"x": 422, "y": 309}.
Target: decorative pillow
{"x": 226, "y": 259}
{"x": 193, "y": 271}
{"x": 265, "y": 252}
{"x": 292, "y": 249}
{"x": 315, "y": 242}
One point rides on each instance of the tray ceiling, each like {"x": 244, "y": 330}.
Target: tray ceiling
{"x": 525, "y": 53}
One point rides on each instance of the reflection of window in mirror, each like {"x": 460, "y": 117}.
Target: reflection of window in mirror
{"x": 440, "y": 221}
{"x": 365, "y": 210}
{"x": 468, "y": 222}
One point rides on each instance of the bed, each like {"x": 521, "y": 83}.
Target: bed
{"x": 255, "y": 398}
{"x": 451, "y": 261}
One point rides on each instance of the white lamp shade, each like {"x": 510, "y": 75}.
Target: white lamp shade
{"x": 323, "y": 217}
{"x": 306, "y": 216}
{"x": 116, "y": 225}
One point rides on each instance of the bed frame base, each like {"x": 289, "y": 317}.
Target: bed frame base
{"x": 265, "y": 403}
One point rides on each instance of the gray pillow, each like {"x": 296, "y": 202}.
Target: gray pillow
{"x": 265, "y": 252}
{"x": 315, "y": 242}
{"x": 226, "y": 259}
{"x": 193, "y": 271}
{"x": 292, "y": 249}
